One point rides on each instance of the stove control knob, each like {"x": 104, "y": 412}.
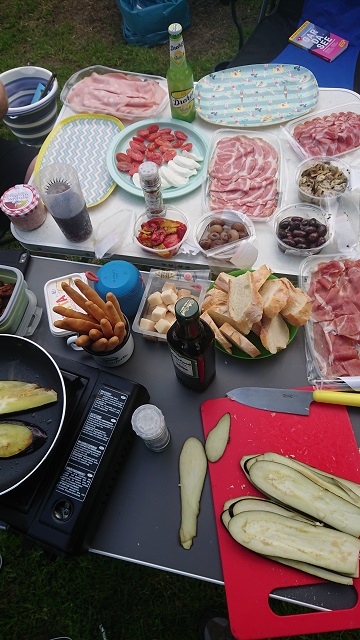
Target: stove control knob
{"x": 62, "y": 510}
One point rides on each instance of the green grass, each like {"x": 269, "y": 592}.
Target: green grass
{"x": 42, "y": 597}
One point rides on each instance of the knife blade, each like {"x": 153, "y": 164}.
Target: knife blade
{"x": 290, "y": 400}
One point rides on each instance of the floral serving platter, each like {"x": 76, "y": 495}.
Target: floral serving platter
{"x": 256, "y": 95}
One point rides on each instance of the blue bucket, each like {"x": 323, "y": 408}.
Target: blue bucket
{"x": 30, "y": 123}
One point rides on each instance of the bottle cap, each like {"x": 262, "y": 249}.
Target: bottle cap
{"x": 175, "y": 29}
{"x": 186, "y": 309}
{"x": 148, "y": 171}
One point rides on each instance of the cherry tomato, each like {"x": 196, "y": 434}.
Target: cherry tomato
{"x": 143, "y": 133}
{"x": 158, "y": 237}
{"x": 153, "y": 156}
{"x": 164, "y": 131}
{"x": 163, "y": 143}
{"x": 165, "y": 147}
{"x": 135, "y": 155}
{"x": 152, "y": 146}
{"x": 134, "y": 168}
{"x": 187, "y": 147}
{"x": 138, "y": 139}
{"x": 123, "y": 157}
{"x": 152, "y": 128}
{"x": 123, "y": 166}
{"x": 180, "y": 135}
{"x": 177, "y": 144}
{"x": 137, "y": 146}
{"x": 169, "y": 154}
{"x": 153, "y": 136}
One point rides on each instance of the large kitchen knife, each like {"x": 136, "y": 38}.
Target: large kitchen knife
{"x": 290, "y": 400}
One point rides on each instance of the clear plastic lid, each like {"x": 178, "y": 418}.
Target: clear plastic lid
{"x": 148, "y": 421}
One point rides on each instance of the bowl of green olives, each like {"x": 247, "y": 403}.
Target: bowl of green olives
{"x": 219, "y": 233}
{"x": 302, "y": 229}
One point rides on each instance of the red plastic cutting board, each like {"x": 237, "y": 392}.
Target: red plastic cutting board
{"x": 324, "y": 439}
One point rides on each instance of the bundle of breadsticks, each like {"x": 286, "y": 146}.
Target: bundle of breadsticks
{"x": 102, "y": 327}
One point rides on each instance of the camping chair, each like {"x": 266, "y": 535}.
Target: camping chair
{"x": 278, "y": 20}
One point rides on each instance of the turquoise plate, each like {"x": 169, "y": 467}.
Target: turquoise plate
{"x": 256, "y": 96}
{"x": 121, "y": 143}
{"x": 264, "y": 353}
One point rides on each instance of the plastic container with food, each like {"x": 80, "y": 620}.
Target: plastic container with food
{"x": 162, "y": 236}
{"x": 302, "y": 229}
{"x": 224, "y": 233}
{"x": 333, "y": 329}
{"x": 322, "y": 181}
{"x": 156, "y": 311}
{"x": 19, "y": 314}
{"x": 319, "y": 134}
{"x": 55, "y": 296}
{"x": 244, "y": 172}
{"x": 155, "y": 96}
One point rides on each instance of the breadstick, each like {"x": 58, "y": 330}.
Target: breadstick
{"x": 95, "y": 334}
{"x": 111, "y": 313}
{"x": 99, "y": 345}
{"x": 71, "y": 313}
{"x": 74, "y": 324}
{"x": 74, "y": 295}
{"x": 83, "y": 341}
{"x": 111, "y": 297}
{"x": 120, "y": 331}
{"x": 112, "y": 343}
{"x": 106, "y": 328}
{"x": 90, "y": 294}
{"x": 95, "y": 310}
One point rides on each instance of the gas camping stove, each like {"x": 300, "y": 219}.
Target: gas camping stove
{"x": 60, "y": 504}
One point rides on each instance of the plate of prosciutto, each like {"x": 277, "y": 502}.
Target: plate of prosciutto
{"x": 256, "y": 95}
{"x": 333, "y": 330}
{"x": 245, "y": 172}
{"x": 175, "y": 146}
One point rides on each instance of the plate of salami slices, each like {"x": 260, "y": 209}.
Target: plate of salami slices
{"x": 175, "y": 146}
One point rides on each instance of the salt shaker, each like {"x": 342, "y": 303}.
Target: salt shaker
{"x": 150, "y": 183}
{"x": 148, "y": 422}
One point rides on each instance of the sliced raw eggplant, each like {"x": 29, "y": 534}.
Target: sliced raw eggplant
{"x": 218, "y": 438}
{"x": 261, "y": 504}
{"x": 19, "y": 438}
{"x": 20, "y": 396}
{"x": 278, "y": 536}
{"x": 320, "y": 572}
{"x": 289, "y": 487}
{"x": 192, "y": 470}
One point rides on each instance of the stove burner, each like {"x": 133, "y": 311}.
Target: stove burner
{"x": 60, "y": 504}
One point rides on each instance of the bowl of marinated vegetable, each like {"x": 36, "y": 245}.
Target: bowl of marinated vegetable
{"x": 302, "y": 229}
{"x": 322, "y": 181}
{"x": 162, "y": 236}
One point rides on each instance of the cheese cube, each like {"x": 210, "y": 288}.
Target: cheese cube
{"x": 146, "y": 324}
{"x": 169, "y": 296}
{"x": 184, "y": 293}
{"x": 171, "y": 308}
{"x": 162, "y": 326}
{"x": 158, "y": 313}
{"x": 170, "y": 318}
{"x": 154, "y": 299}
{"x": 169, "y": 285}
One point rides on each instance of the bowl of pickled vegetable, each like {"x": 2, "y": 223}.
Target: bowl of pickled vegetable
{"x": 302, "y": 229}
{"x": 162, "y": 236}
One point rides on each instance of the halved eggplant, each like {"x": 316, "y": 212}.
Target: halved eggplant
{"x": 20, "y": 396}
{"x": 20, "y": 438}
{"x": 192, "y": 471}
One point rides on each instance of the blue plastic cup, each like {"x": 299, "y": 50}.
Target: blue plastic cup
{"x": 30, "y": 123}
{"x": 125, "y": 282}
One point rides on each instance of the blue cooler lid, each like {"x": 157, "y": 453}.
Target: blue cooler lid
{"x": 124, "y": 280}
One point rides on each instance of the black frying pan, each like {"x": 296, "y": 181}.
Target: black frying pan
{"x": 22, "y": 359}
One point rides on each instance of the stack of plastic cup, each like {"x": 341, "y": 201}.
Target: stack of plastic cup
{"x": 148, "y": 422}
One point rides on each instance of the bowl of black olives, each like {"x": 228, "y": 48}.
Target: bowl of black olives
{"x": 219, "y": 233}
{"x": 302, "y": 229}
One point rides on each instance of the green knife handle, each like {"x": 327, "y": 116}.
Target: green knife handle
{"x": 337, "y": 397}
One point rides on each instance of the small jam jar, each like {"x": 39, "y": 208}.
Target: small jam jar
{"x": 23, "y": 206}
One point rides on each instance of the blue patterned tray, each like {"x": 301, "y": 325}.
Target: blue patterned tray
{"x": 83, "y": 141}
{"x": 255, "y": 96}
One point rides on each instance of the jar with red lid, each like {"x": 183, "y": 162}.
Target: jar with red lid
{"x": 23, "y": 206}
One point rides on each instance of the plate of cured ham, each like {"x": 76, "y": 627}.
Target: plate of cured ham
{"x": 256, "y": 95}
{"x": 330, "y": 132}
{"x": 175, "y": 146}
{"x": 122, "y": 94}
{"x": 245, "y": 172}
{"x": 333, "y": 330}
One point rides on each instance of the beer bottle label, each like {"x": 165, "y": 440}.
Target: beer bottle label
{"x": 183, "y": 100}
{"x": 177, "y": 51}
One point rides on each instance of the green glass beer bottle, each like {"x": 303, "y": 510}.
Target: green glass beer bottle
{"x": 180, "y": 78}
